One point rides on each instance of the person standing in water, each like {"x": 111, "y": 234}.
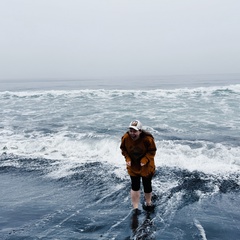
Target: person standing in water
{"x": 138, "y": 147}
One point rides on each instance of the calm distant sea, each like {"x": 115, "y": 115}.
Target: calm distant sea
{"x": 63, "y": 176}
{"x": 143, "y": 83}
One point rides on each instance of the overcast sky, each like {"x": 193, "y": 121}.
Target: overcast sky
{"x": 76, "y": 39}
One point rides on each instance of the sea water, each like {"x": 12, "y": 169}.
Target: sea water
{"x": 63, "y": 176}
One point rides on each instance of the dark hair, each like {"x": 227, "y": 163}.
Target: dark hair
{"x": 146, "y": 133}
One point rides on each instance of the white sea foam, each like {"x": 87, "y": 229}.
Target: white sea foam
{"x": 104, "y": 93}
{"x": 207, "y": 157}
{"x": 194, "y": 128}
{"x": 201, "y": 229}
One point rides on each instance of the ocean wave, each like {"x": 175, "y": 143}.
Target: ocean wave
{"x": 113, "y": 93}
{"x": 207, "y": 157}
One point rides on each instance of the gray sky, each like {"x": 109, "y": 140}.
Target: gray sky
{"x": 78, "y": 39}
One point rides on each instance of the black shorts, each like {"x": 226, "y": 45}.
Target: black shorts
{"x": 147, "y": 183}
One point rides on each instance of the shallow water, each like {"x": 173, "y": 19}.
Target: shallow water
{"x": 87, "y": 205}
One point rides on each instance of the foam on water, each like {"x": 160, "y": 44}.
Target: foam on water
{"x": 194, "y": 129}
{"x": 201, "y": 229}
{"x": 105, "y": 93}
{"x": 207, "y": 157}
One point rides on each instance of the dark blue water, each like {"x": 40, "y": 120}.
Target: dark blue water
{"x": 94, "y": 205}
{"x": 63, "y": 177}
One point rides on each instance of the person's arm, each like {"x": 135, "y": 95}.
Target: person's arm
{"x": 124, "y": 152}
{"x": 151, "y": 151}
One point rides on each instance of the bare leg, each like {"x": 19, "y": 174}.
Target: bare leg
{"x": 135, "y": 196}
{"x": 148, "y": 198}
